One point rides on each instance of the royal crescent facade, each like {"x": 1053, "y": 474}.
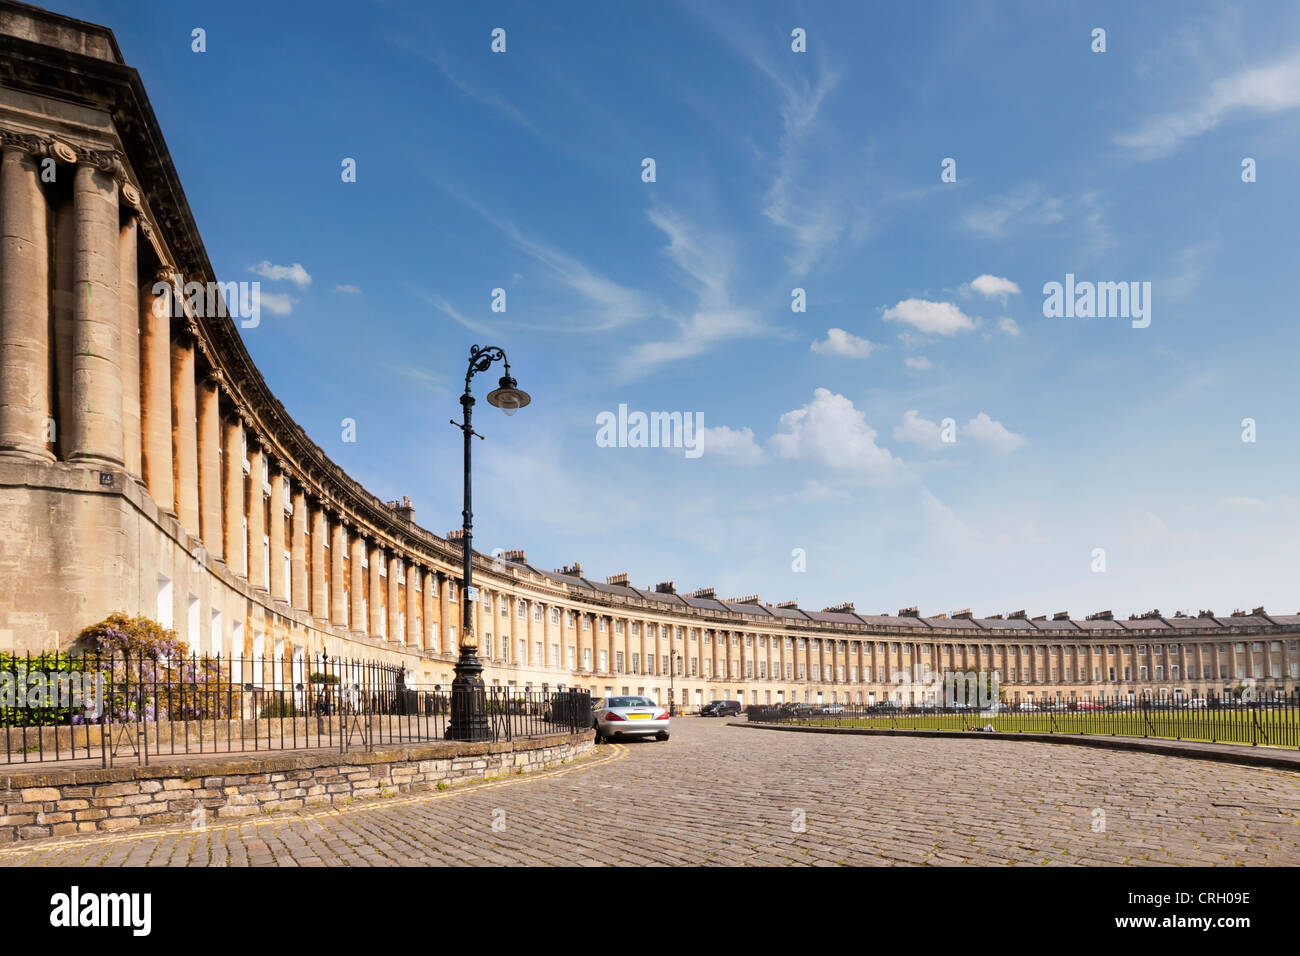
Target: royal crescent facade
{"x": 145, "y": 466}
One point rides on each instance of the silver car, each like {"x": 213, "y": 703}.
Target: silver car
{"x": 621, "y": 717}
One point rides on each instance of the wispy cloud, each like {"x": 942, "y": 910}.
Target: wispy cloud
{"x": 705, "y": 265}
{"x": 347, "y": 289}
{"x": 918, "y": 363}
{"x": 815, "y": 210}
{"x": 1027, "y": 205}
{"x": 1261, "y": 90}
{"x": 490, "y": 99}
{"x": 419, "y": 377}
{"x": 447, "y": 309}
{"x": 609, "y": 305}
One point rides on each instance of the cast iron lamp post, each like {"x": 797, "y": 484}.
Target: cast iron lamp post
{"x": 674, "y": 659}
{"x": 468, "y": 695}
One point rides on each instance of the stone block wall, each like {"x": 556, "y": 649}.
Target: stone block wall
{"x": 65, "y": 802}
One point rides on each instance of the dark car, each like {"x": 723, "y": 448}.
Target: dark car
{"x": 721, "y": 708}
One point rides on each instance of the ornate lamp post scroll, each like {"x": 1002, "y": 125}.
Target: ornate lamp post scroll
{"x": 468, "y": 695}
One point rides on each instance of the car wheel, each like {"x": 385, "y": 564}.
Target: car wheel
{"x": 600, "y": 738}
{"x": 661, "y": 737}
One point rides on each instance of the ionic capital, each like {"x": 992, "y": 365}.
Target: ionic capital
{"x": 27, "y": 143}
{"x": 105, "y": 160}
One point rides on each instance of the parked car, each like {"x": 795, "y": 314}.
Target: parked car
{"x": 629, "y": 717}
{"x": 721, "y": 708}
{"x": 833, "y": 709}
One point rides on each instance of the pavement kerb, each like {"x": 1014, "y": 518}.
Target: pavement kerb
{"x": 1189, "y": 749}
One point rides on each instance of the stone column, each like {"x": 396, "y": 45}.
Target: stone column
{"x": 129, "y": 312}
{"x": 338, "y": 543}
{"x": 392, "y": 632}
{"x": 279, "y": 485}
{"x": 496, "y": 621}
{"x": 445, "y": 644}
{"x": 298, "y": 550}
{"x": 427, "y": 587}
{"x": 156, "y": 404}
{"x": 375, "y": 598}
{"x": 24, "y": 308}
{"x": 185, "y": 451}
{"x": 233, "y": 491}
{"x": 95, "y": 431}
{"x": 358, "y": 603}
{"x": 413, "y": 575}
{"x": 210, "y": 463}
{"x": 256, "y": 518}
{"x": 319, "y": 532}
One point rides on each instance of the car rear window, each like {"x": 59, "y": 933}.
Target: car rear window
{"x": 630, "y": 702}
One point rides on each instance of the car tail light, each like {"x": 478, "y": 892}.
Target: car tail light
{"x": 663, "y": 716}
{"x": 610, "y": 715}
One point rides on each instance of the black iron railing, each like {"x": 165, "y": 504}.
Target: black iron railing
{"x": 1269, "y": 721}
{"x": 114, "y": 708}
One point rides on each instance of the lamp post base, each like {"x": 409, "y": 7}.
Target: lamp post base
{"x": 469, "y": 718}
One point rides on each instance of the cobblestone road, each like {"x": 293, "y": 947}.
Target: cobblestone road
{"x": 716, "y": 794}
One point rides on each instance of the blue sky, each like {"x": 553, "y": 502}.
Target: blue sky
{"x": 778, "y": 170}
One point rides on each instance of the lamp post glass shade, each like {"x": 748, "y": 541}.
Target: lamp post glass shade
{"x": 508, "y": 396}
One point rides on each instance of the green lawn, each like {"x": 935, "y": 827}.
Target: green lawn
{"x": 1273, "y": 727}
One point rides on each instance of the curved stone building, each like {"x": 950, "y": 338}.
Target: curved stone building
{"x": 146, "y": 466}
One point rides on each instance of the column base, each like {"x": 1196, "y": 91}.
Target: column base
{"x": 27, "y": 453}
{"x": 82, "y": 458}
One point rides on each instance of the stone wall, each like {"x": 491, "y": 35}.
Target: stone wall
{"x": 64, "y": 802}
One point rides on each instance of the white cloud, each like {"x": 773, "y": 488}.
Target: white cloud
{"x": 994, "y": 436}
{"x": 277, "y": 303}
{"x": 347, "y": 289}
{"x": 919, "y": 431}
{"x": 981, "y": 431}
{"x": 991, "y": 286}
{"x": 294, "y": 273}
{"x": 839, "y": 342}
{"x": 920, "y": 363}
{"x": 1027, "y": 205}
{"x": 735, "y": 445}
{"x": 1266, "y": 89}
{"x": 830, "y": 431}
{"x": 939, "y": 318}
{"x": 1008, "y": 326}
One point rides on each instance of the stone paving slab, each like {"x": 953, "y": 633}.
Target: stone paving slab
{"x": 721, "y": 795}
